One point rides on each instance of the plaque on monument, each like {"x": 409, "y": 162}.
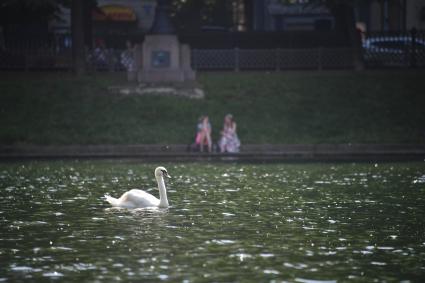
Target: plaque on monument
{"x": 164, "y": 58}
{"x": 160, "y": 59}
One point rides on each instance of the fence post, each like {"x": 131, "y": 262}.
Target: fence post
{"x": 320, "y": 58}
{"x": 236, "y": 50}
{"x": 277, "y": 59}
{"x": 413, "y": 33}
{"x": 110, "y": 60}
{"x": 26, "y": 62}
{"x": 27, "y": 58}
{"x": 193, "y": 59}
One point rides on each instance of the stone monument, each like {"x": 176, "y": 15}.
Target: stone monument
{"x": 164, "y": 58}
{"x": 162, "y": 64}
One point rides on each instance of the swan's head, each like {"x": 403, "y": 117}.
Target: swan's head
{"x": 161, "y": 172}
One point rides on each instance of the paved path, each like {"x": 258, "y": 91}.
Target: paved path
{"x": 264, "y": 152}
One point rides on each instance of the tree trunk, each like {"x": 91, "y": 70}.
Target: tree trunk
{"x": 89, "y": 6}
{"x": 77, "y": 26}
{"x": 345, "y": 23}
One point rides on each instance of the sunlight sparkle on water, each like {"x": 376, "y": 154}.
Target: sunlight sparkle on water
{"x": 308, "y": 223}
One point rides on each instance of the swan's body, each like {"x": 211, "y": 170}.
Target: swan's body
{"x": 139, "y": 199}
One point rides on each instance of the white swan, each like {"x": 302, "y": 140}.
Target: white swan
{"x": 138, "y": 198}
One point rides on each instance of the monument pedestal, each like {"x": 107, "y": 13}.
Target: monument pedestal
{"x": 165, "y": 59}
{"x": 162, "y": 63}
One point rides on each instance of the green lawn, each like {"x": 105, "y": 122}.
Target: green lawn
{"x": 284, "y": 107}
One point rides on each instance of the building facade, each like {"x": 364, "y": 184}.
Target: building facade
{"x": 113, "y": 14}
{"x": 391, "y": 15}
{"x": 275, "y": 15}
{"x": 141, "y": 12}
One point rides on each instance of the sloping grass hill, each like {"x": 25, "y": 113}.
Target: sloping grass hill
{"x": 283, "y": 107}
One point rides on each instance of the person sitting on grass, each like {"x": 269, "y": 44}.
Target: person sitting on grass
{"x": 203, "y": 135}
{"x": 229, "y": 141}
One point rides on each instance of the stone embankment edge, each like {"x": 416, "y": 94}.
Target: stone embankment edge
{"x": 251, "y": 152}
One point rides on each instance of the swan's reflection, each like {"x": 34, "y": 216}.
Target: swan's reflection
{"x": 143, "y": 211}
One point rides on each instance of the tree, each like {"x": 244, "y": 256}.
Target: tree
{"x": 191, "y": 15}
{"x": 77, "y": 27}
{"x": 340, "y": 9}
{"x": 30, "y": 13}
{"x": 343, "y": 12}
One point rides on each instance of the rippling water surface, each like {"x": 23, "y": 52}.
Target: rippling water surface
{"x": 228, "y": 222}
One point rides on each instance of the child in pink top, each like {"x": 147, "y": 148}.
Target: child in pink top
{"x": 203, "y": 135}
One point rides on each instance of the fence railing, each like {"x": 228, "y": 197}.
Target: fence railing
{"x": 272, "y": 59}
{"x": 202, "y": 59}
{"x": 394, "y": 49}
{"x": 51, "y": 59}
{"x": 380, "y": 50}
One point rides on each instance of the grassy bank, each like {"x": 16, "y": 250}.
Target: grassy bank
{"x": 292, "y": 107}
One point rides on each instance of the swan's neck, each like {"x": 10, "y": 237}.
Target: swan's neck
{"x": 163, "y": 200}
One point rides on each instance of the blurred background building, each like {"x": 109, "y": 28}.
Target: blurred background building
{"x": 216, "y": 25}
{"x": 391, "y": 15}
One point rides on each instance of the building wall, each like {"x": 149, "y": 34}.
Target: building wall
{"x": 415, "y": 10}
{"x": 272, "y": 15}
{"x": 375, "y": 21}
{"x": 144, "y": 9}
{"x": 396, "y": 15}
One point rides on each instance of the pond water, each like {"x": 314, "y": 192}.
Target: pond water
{"x": 227, "y": 222}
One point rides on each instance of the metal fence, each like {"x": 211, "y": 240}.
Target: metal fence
{"x": 202, "y": 59}
{"x": 105, "y": 60}
{"x": 51, "y": 59}
{"x": 394, "y": 49}
{"x": 272, "y": 59}
{"x": 36, "y": 59}
{"x": 380, "y": 50}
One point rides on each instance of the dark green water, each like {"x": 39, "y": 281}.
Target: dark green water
{"x": 228, "y": 222}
